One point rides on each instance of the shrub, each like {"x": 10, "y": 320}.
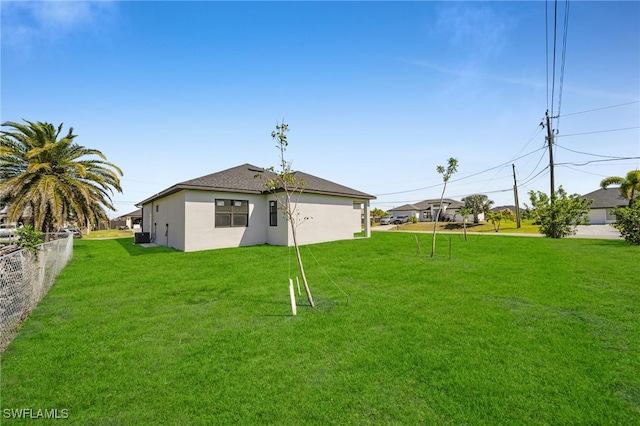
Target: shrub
{"x": 628, "y": 222}
{"x": 496, "y": 218}
{"x": 560, "y": 218}
{"x": 30, "y": 238}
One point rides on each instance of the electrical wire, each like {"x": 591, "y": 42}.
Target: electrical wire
{"x": 555, "y": 38}
{"x": 601, "y": 108}
{"x": 599, "y": 131}
{"x": 539, "y": 161}
{"x": 583, "y": 171}
{"x": 597, "y": 161}
{"x": 593, "y": 155}
{"x": 546, "y": 45}
{"x": 462, "y": 178}
{"x": 563, "y": 60}
{"x": 534, "y": 177}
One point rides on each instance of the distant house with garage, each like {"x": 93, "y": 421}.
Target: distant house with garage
{"x": 427, "y": 210}
{"x": 234, "y": 208}
{"x": 131, "y": 220}
{"x": 603, "y": 201}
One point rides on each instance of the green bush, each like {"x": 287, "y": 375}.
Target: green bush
{"x": 29, "y": 238}
{"x": 628, "y": 222}
{"x": 559, "y": 218}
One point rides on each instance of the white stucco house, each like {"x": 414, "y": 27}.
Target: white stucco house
{"x": 427, "y": 210}
{"x": 234, "y": 208}
{"x": 603, "y": 201}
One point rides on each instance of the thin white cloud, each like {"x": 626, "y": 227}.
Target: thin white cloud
{"x": 524, "y": 82}
{"x": 475, "y": 75}
{"x": 475, "y": 29}
{"x": 30, "y": 24}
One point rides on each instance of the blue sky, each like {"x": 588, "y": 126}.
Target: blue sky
{"x": 377, "y": 94}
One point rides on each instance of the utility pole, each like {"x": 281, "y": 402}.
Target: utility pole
{"x": 553, "y": 187}
{"x": 550, "y": 140}
{"x": 515, "y": 196}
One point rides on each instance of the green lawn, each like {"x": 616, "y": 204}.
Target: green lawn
{"x": 510, "y": 330}
{"x": 107, "y": 233}
{"x": 527, "y": 227}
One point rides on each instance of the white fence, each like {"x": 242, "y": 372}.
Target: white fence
{"x": 25, "y": 279}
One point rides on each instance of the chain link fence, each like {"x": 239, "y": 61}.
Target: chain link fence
{"x": 24, "y": 280}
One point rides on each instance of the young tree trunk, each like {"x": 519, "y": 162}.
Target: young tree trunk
{"x": 435, "y": 225}
{"x": 304, "y": 277}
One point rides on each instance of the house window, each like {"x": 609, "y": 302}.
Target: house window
{"x": 273, "y": 213}
{"x": 232, "y": 213}
{"x": 157, "y": 206}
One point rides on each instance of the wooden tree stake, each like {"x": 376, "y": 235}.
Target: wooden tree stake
{"x": 292, "y": 293}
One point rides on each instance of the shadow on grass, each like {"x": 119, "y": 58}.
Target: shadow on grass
{"x": 604, "y": 242}
{"x": 138, "y": 250}
{"x": 456, "y": 226}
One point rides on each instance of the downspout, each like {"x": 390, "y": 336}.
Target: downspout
{"x": 367, "y": 220}
{"x": 166, "y": 233}
{"x": 151, "y": 221}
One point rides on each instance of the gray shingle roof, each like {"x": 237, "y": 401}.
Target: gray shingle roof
{"x": 426, "y": 205}
{"x": 250, "y": 179}
{"x": 606, "y": 198}
{"x": 135, "y": 213}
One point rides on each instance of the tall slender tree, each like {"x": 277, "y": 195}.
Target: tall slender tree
{"x": 53, "y": 178}
{"x": 465, "y": 212}
{"x": 629, "y": 185}
{"x": 452, "y": 167}
{"x": 287, "y": 188}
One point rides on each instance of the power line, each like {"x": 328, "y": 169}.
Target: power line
{"x": 601, "y": 108}
{"x": 535, "y": 177}
{"x": 583, "y": 171}
{"x": 553, "y": 71}
{"x": 539, "y": 161}
{"x": 564, "y": 52}
{"x": 593, "y": 155}
{"x": 600, "y": 131}
{"x": 459, "y": 179}
{"x": 546, "y": 45}
{"x": 597, "y": 161}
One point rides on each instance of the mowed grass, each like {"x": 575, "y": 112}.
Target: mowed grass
{"x": 506, "y": 227}
{"x": 107, "y": 233}
{"x": 509, "y": 330}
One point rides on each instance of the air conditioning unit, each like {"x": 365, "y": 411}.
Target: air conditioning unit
{"x": 142, "y": 237}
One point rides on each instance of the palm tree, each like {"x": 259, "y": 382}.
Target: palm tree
{"x": 50, "y": 177}
{"x": 628, "y": 186}
{"x": 478, "y": 203}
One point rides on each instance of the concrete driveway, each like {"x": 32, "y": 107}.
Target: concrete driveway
{"x": 597, "y": 231}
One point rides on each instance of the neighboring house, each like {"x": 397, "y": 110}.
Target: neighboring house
{"x": 603, "y": 201}
{"x": 131, "y": 220}
{"x": 26, "y": 215}
{"x": 234, "y": 208}
{"x": 427, "y": 210}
